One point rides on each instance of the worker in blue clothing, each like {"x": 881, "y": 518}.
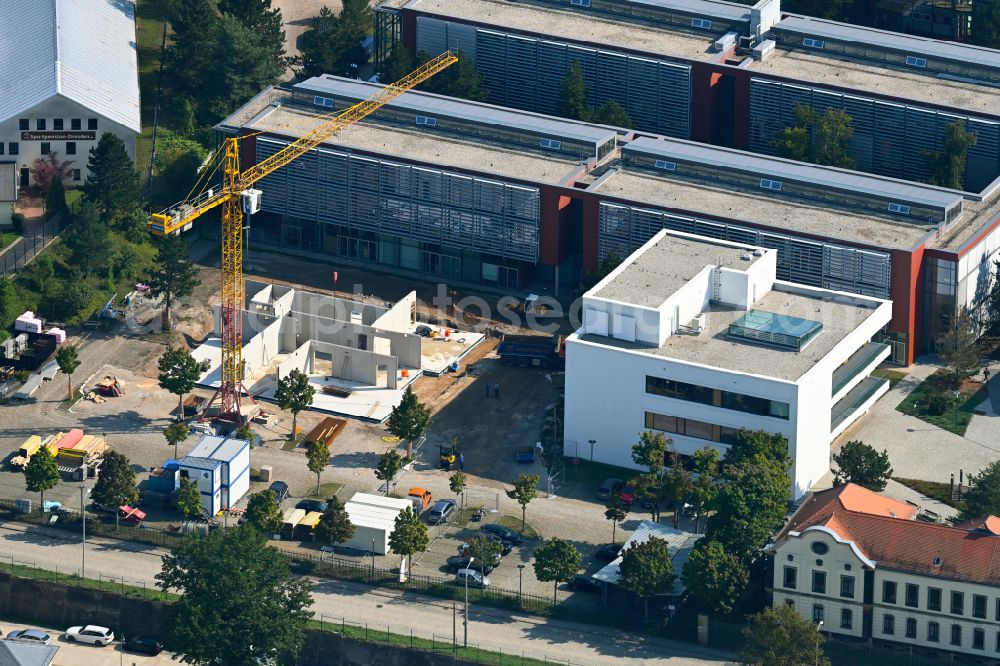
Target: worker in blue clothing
{"x": 496, "y": 390}
{"x": 461, "y": 461}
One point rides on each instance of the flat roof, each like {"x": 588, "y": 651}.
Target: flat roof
{"x": 774, "y": 211}
{"x": 418, "y": 146}
{"x": 573, "y": 26}
{"x": 729, "y": 10}
{"x": 730, "y": 159}
{"x": 975, "y": 216}
{"x": 713, "y": 347}
{"x": 439, "y": 105}
{"x": 669, "y": 264}
{"x": 869, "y": 78}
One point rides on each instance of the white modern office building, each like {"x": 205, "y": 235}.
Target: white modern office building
{"x": 696, "y": 338}
{"x": 68, "y": 74}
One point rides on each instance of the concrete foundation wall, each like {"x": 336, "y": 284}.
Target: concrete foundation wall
{"x": 364, "y": 364}
{"x": 397, "y": 318}
{"x": 263, "y": 346}
{"x": 335, "y": 308}
{"x": 404, "y": 346}
{"x": 300, "y": 359}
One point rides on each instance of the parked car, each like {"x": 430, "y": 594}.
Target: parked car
{"x": 608, "y": 552}
{"x": 90, "y": 633}
{"x": 582, "y": 583}
{"x": 442, "y": 509}
{"x": 472, "y": 578}
{"x": 310, "y": 505}
{"x": 421, "y": 499}
{"x": 143, "y": 645}
{"x": 608, "y": 488}
{"x": 627, "y": 494}
{"x": 32, "y": 636}
{"x": 280, "y": 490}
{"x": 504, "y": 533}
{"x": 505, "y": 546}
{"x": 458, "y": 562}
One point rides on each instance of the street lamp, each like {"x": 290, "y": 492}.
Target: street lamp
{"x": 465, "y": 638}
{"x": 83, "y": 522}
{"x": 373, "y": 558}
{"x": 819, "y": 629}
{"x": 592, "y": 442}
{"x": 520, "y": 572}
{"x": 958, "y": 394}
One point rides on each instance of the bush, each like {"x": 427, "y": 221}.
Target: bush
{"x": 937, "y": 403}
{"x": 17, "y": 219}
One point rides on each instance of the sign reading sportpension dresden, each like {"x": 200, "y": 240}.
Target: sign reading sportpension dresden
{"x": 58, "y": 136}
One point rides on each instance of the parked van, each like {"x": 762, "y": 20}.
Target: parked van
{"x": 421, "y": 499}
{"x": 305, "y": 530}
{"x": 292, "y": 518}
{"x": 472, "y": 578}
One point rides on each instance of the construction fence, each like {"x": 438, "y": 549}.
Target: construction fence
{"x": 21, "y": 252}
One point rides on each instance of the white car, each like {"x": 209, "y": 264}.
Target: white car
{"x": 90, "y": 634}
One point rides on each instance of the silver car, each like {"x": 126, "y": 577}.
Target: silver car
{"x": 32, "y": 636}
{"x": 472, "y": 578}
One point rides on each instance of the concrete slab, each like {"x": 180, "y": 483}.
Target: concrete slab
{"x": 438, "y": 353}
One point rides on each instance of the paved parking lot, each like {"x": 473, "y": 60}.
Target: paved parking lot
{"x": 74, "y": 654}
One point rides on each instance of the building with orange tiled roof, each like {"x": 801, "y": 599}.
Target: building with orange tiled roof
{"x": 863, "y": 566}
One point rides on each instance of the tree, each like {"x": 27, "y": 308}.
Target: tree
{"x": 245, "y": 62}
{"x": 456, "y": 482}
{"x": 750, "y": 505}
{"x": 483, "y": 550}
{"x": 263, "y": 512}
{"x": 195, "y": 25}
{"x": 68, "y": 361}
{"x": 460, "y": 80}
{"x": 615, "y": 512}
{"x": 793, "y": 142}
{"x": 819, "y": 139}
{"x": 355, "y": 23}
{"x": 948, "y": 166}
{"x": 861, "y": 464}
{"x": 651, "y": 452}
{"x": 10, "y": 301}
{"x": 112, "y": 184}
{"x": 317, "y": 458}
{"x": 716, "y": 579}
{"x": 986, "y": 26}
{"x": 55, "y": 200}
{"x": 557, "y": 561}
{"x": 397, "y": 64}
{"x": 706, "y": 464}
{"x": 116, "y": 483}
{"x": 175, "y": 434}
{"x": 677, "y": 485}
{"x": 44, "y": 169}
{"x": 525, "y": 489}
{"x": 389, "y": 464}
{"x": 178, "y": 374}
{"x": 189, "y": 499}
{"x": 239, "y": 603}
{"x": 335, "y": 526}
{"x": 294, "y": 393}
{"x": 846, "y": 11}
{"x": 612, "y": 113}
{"x": 992, "y": 299}
{"x": 983, "y": 496}
{"x": 409, "y": 536}
{"x": 173, "y": 275}
{"x": 89, "y": 241}
{"x": 611, "y": 261}
{"x": 41, "y": 473}
{"x": 646, "y": 570}
{"x": 409, "y": 420}
{"x": 573, "y": 94}
{"x": 318, "y": 45}
{"x": 781, "y": 637}
{"x": 748, "y": 444}
{"x": 957, "y": 347}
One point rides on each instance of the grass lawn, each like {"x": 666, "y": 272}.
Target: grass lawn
{"x": 958, "y": 414}
{"x": 933, "y": 489}
{"x": 105, "y": 585}
{"x": 894, "y": 376}
{"x": 513, "y": 523}
{"x": 327, "y": 490}
{"x": 150, "y": 17}
{"x": 8, "y": 237}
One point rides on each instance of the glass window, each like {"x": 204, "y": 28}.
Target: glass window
{"x": 888, "y": 592}
{"x": 92, "y": 123}
{"x": 956, "y": 634}
{"x": 957, "y": 603}
{"x": 819, "y": 582}
{"x": 40, "y": 124}
{"x": 817, "y": 613}
{"x": 74, "y": 123}
{"x": 978, "y": 639}
{"x": 934, "y": 598}
{"x": 71, "y": 148}
{"x": 57, "y": 124}
{"x": 22, "y": 124}
{"x": 669, "y": 388}
{"x": 933, "y": 632}
{"x": 76, "y": 174}
{"x": 790, "y": 577}
{"x": 846, "y": 618}
{"x": 427, "y": 120}
{"x": 912, "y": 595}
{"x": 978, "y": 606}
{"x": 911, "y": 628}
{"x": 847, "y": 587}
{"x": 13, "y": 148}
{"x": 997, "y": 612}
{"x": 697, "y": 429}
{"x": 46, "y": 148}
{"x": 888, "y": 625}
{"x": 662, "y": 422}
{"x": 1, "y": 147}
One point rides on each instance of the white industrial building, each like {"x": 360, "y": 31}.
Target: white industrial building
{"x": 696, "y": 338}
{"x": 374, "y": 518}
{"x": 68, "y": 74}
{"x": 221, "y": 468}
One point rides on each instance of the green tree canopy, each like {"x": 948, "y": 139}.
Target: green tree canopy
{"x": 573, "y": 94}
{"x": 611, "y": 261}
{"x": 189, "y": 499}
{"x": 398, "y": 64}
{"x": 55, "y": 200}
{"x": 483, "y": 550}
{"x": 333, "y": 43}
{"x": 295, "y": 394}
{"x": 525, "y": 489}
{"x": 986, "y": 26}
{"x": 317, "y": 458}
{"x": 89, "y": 242}
{"x": 982, "y": 499}
{"x": 409, "y": 419}
{"x": 716, "y": 579}
{"x": 116, "y": 482}
{"x": 173, "y": 276}
{"x": 263, "y": 512}
{"x": 861, "y": 464}
{"x": 957, "y": 347}
{"x": 677, "y": 486}
{"x": 612, "y": 113}
{"x": 335, "y": 526}
{"x": 389, "y": 464}
{"x": 456, "y": 483}
{"x": 175, "y": 434}
{"x": 646, "y": 570}
{"x": 10, "y": 300}
{"x": 239, "y": 603}
{"x": 178, "y": 373}
{"x": 461, "y": 79}
{"x": 750, "y": 505}
{"x": 651, "y": 450}
{"x": 781, "y": 637}
{"x": 409, "y": 536}
{"x": 319, "y": 46}
{"x": 706, "y": 469}
{"x": 112, "y": 184}
{"x": 615, "y": 512}
{"x": 41, "y": 473}
{"x": 821, "y": 139}
{"x": 948, "y": 166}
{"x": 747, "y": 444}
{"x": 68, "y": 361}
{"x": 557, "y": 561}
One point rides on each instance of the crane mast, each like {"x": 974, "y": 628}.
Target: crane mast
{"x": 235, "y": 192}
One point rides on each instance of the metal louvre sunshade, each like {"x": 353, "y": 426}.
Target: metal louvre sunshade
{"x": 774, "y": 329}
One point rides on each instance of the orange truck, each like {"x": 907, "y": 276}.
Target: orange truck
{"x": 421, "y": 499}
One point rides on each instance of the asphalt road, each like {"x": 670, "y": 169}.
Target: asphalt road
{"x": 381, "y": 609}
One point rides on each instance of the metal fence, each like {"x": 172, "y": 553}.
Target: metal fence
{"x": 18, "y": 255}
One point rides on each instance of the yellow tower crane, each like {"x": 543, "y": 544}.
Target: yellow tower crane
{"x": 237, "y": 195}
